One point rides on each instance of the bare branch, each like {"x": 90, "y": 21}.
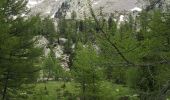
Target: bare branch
{"x": 108, "y": 39}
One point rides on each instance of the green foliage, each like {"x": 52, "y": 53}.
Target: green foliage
{"x": 55, "y": 91}
{"x": 133, "y": 77}
{"x": 111, "y": 91}
{"x": 110, "y": 61}
{"x": 20, "y": 57}
{"x": 52, "y": 68}
{"x": 86, "y": 71}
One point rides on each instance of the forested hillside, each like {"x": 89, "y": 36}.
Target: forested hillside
{"x": 98, "y": 56}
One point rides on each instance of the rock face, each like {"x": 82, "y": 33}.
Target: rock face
{"x": 44, "y": 7}
{"x": 110, "y": 6}
{"x": 50, "y": 7}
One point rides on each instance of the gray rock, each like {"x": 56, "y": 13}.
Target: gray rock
{"x": 50, "y": 7}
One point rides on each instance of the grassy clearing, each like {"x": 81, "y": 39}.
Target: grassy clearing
{"x": 54, "y": 90}
{"x": 58, "y": 91}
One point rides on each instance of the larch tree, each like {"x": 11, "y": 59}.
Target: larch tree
{"x": 87, "y": 72}
{"x": 19, "y": 56}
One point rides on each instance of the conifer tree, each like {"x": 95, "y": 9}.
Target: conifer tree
{"x": 87, "y": 72}
{"x": 19, "y": 56}
{"x": 51, "y": 67}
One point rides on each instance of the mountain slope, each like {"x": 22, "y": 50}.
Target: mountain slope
{"x": 50, "y": 7}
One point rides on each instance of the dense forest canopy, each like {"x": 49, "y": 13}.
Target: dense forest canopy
{"x": 94, "y": 58}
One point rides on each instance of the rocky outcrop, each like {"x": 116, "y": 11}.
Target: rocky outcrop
{"x": 44, "y": 7}
{"x": 50, "y": 7}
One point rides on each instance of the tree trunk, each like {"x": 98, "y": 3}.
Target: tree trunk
{"x": 84, "y": 88}
{"x": 5, "y": 86}
{"x": 94, "y": 87}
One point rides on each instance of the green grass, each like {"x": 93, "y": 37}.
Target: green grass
{"x": 111, "y": 91}
{"x": 57, "y": 91}
{"x": 54, "y": 90}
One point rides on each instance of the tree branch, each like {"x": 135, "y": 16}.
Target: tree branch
{"x": 108, "y": 39}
